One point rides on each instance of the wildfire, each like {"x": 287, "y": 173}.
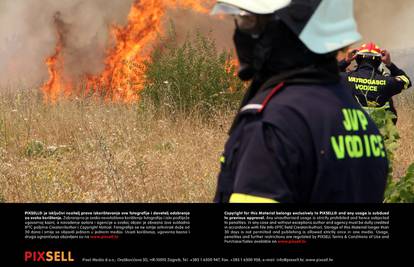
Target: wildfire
{"x": 232, "y": 64}
{"x": 124, "y": 72}
{"x": 56, "y": 83}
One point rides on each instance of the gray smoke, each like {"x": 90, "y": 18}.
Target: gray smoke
{"x": 188, "y": 23}
{"x": 390, "y": 24}
{"x": 28, "y": 35}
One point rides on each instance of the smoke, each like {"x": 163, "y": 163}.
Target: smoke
{"x": 391, "y": 26}
{"x": 187, "y": 22}
{"x": 28, "y": 33}
{"x": 388, "y": 23}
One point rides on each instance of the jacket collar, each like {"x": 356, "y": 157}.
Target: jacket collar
{"x": 367, "y": 66}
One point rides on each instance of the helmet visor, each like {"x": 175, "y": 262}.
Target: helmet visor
{"x": 226, "y": 9}
{"x": 246, "y": 22}
{"x": 368, "y": 53}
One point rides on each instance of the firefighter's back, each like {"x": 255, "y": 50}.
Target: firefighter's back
{"x": 338, "y": 152}
{"x": 370, "y": 88}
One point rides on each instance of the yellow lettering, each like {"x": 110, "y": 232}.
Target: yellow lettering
{"x": 355, "y": 146}
{"x": 349, "y": 146}
{"x": 362, "y": 119}
{"x": 362, "y": 81}
{"x": 338, "y": 146}
{"x": 49, "y": 256}
{"x": 367, "y": 146}
{"x": 347, "y": 121}
{"x": 57, "y": 255}
{"x": 366, "y": 87}
{"x": 358, "y": 147}
{"x": 381, "y": 145}
{"x": 376, "y": 151}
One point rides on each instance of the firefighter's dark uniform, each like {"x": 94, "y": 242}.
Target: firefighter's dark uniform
{"x": 303, "y": 141}
{"x": 372, "y": 89}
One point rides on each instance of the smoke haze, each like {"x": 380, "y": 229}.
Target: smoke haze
{"x": 28, "y": 35}
{"x": 388, "y": 23}
{"x": 27, "y": 32}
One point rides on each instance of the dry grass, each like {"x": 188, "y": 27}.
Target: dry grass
{"x": 85, "y": 151}
{"x": 405, "y": 152}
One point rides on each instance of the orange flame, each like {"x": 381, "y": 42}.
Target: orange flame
{"x": 123, "y": 76}
{"x": 232, "y": 65}
{"x": 56, "y": 83}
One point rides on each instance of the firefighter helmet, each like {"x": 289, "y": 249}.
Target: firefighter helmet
{"x": 369, "y": 50}
{"x": 323, "y": 26}
{"x": 369, "y": 53}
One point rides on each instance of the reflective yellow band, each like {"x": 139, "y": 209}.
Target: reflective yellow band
{"x": 243, "y": 198}
{"x": 222, "y": 159}
{"x": 405, "y": 80}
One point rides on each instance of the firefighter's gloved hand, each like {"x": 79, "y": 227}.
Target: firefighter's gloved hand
{"x": 386, "y": 58}
{"x": 350, "y": 55}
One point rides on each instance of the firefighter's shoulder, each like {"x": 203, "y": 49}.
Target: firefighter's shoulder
{"x": 403, "y": 79}
{"x": 309, "y": 102}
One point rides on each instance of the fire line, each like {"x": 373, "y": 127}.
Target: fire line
{"x": 124, "y": 70}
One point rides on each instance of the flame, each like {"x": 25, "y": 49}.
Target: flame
{"x": 232, "y": 65}
{"x": 56, "y": 85}
{"x": 123, "y": 76}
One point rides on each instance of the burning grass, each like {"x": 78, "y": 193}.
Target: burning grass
{"x": 163, "y": 148}
{"x": 123, "y": 76}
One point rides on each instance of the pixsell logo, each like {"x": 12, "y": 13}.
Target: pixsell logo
{"x": 48, "y": 256}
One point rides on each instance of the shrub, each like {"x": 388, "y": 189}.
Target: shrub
{"x": 192, "y": 77}
{"x": 401, "y": 190}
{"x": 34, "y": 148}
{"x": 37, "y": 148}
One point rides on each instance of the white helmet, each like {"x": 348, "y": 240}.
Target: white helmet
{"x": 323, "y": 26}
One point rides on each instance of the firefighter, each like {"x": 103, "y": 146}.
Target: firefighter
{"x": 371, "y": 88}
{"x": 299, "y": 136}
